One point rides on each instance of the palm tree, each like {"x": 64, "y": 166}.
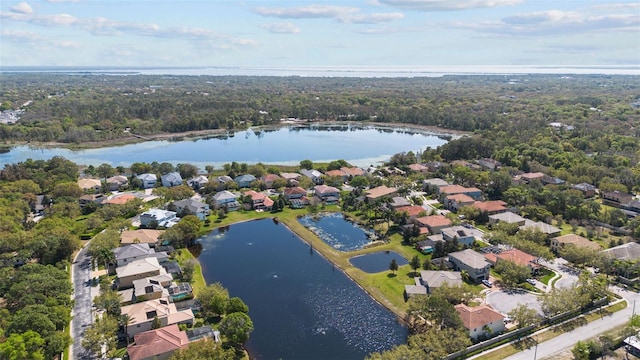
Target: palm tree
{"x": 125, "y": 320}
{"x": 465, "y": 275}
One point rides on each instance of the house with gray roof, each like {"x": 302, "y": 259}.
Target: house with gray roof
{"x": 461, "y": 233}
{"x": 507, "y": 217}
{"x": 192, "y": 207}
{"x": 114, "y": 183}
{"x": 475, "y": 264}
{"x": 171, "y": 179}
{"x": 629, "y": 251}
{"x": 138, "y": 269}
{"x": 198, "y": 182}
{"x": 245, "y": 180}
{"x": 158, "y": 217}
{"x": 126, "y": 254}
{"x": 314, "y": 175}
{"x": 227, "y": 200}
{"x": 148, "y": 180}
{"x": 549, "y": 230}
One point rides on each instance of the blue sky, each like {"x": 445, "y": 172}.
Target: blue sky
{"x": 322, "y": 33}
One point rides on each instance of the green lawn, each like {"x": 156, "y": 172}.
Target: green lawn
{"x": 198, "y": 282}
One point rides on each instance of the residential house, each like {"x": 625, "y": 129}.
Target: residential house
{"x": 337, "y": 173}
{"x": 515, "y": 256}
{"x": 171, "y": 179}
{"x": 120, "y": 199}
{"x": 448, "y": 190}
{"x": 227, "y": 200}
{"x": 224, "y": 182}
{"x": 203, "y": 332}
{"x": 158, "y": 217}
{"x": 629, "y": 251}
{"x": 472, "y": 262}
{"x": 615, "y": 198}
{"x": 137, "y": 269}
{"x": 142, "y": 315}
{"x": 431, "y": 280}
{"x": 314, "y": 175}
{"x": 457, "y": 201}
{"x": 291, "y": 178}
{"x": 413, "y": 211}
{"x": 428, "y": 245}
{"x": 490, "y": 207}
{"x": 39, "y": 206}
{"x": 507, "y": 217}
{"x": 435, "y": 223}
{"x": 433, "y": 166}
{"x": 380, "y": 192}
{"x": 87, "y": 199}
{"x": 198, "y": 182}
{"x": 529, "y": 177}
{"x": 244, "y": 181}
{"x": 90, "y": 185}
{"x": 419, "y": 168}
{"x": 128, "y": 253}
{"x": 434, "y": 184}
{"x": 157, "y": 344}
{"x": 462, "y": 234}
{"x": 489, "y": 164}
{"x": 399, "y": 201}
{"x": 549, "y": 230}
{"x": 327, "y": 194}
{"x": 117, "y": 182}
{"x": 147, "y": 180}
{"x": 259, "y": 201}
{"x": 192, "y": 207}
{"x": 179, "y": 292}
{"x": 294, "y": 193}
{"x": 150, "y": 288}
{"x": 142, "y": 236}
{"x": 464, "y": 163}
{"x": 481, "y": 321}
{"x": 573, "y": 239}
{"x": 268, "y": 180}
{"x": 352, "y": 171}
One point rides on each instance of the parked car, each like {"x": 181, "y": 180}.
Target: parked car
{"x": 532, "y": 281}
{"x": 487, "y": 283}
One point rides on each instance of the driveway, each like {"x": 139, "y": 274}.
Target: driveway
{"x": 505, "y": 301}
{"x": 82, "y": 313}
{"x": 561, "y": 266}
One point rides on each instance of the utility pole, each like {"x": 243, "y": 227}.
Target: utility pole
{"x": 535, "y": 352}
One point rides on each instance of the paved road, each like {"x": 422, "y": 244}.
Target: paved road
{"x": 553, "y": 346}
{"x": 561, "y": 266}
{"x": 505, "y": 301}
{"x": 82, "y": 313}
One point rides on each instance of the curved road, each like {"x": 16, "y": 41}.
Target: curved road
{"x": 82, "y": 312}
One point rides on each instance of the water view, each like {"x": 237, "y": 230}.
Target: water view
{"x": 336, "y": 231}
{"x": 302, "y": 307}
{"x": 377, "y": 262}
{"x": 361, "y": 146}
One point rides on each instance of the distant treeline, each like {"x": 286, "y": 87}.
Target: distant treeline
{"x": 80, "y": 108}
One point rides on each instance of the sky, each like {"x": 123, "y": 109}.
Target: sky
{"x": 321, "y": 33}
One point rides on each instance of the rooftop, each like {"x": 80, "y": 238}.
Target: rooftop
{"x": 477, "y": 317}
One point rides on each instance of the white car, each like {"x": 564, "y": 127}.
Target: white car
{"x": 487, "y": 283}
{"x": 532, "y": 281}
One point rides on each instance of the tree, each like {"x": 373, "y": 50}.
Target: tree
{"x": 56, "y": 343}
{"x": 156, "y": 323}
{"x": 187, "y": 270}
{"x": 524, "y": 315}
{"x": 108, "y": 300}
{"x": 105, "y": 170}
{"x": 203, "y": 349}
{"x": 581, "y": 351}
{"x": 306, "y": 164}
{"x": 101, "y": 334}
{"x": 25, "y": 346}
{"x": 237, "y": 305}
{"x": 512, "y": 273}
{"x": 393, "y": 266}
{"x": 236, "y": 327}
{"x": 184, "y": 232}
{"x": 415, "y": 264}
{"x": 214, "y": 299}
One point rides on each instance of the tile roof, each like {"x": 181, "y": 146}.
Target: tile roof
{"x": 470, "y": 258}
{"x": 434, "y": 221}
{"x": 380, "y": 191}
{"x": 577, "y": 240}
{"x": 120, "y": 199}
{"x": 490, "y": 206}
{"x": 139, "y": 267}
{"x": 142, "y": 235}
{"x": 457, "y": 189}
{"x": 477, "y": 317}
{"x": 460, "y": 198}
{"x": 152, "y": 343}
{"x": 89, "y": 183}
{"x": 516, "y": 256}
{"x": 352, "y": 171}
{"x": 413, "y": 210}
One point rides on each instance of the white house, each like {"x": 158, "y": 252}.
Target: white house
{"x": 148, "y": 180}
{"x": 163, "y": 218}
{"x": 481, "y": 321}
{"x": 171, "y": 179}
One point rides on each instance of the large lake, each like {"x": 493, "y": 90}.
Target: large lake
{"x": 302, "y": 307}
{"x": 359, "y": 145}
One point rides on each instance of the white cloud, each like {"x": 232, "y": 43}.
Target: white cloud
{"x": 20, "y": 36}
{"x": 372, "y": 18}
{"x": 22, "y": 8}
{"x": 306, "y": 12}
{"x": 617, "y": 6}
{"x": 281, "y": 28}
{"x": 447, "y": 5}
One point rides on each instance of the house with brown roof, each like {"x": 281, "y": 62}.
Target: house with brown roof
{"x": 490, "y": 164}
{"x": 143, "y": 313}
{"x": 527, "y": 178}
{"x": 455, "y": 202}
{"x": 157, "y": 344}
{"x": 419, "y": 168}
{"x": 481, "y": 321}
{"x": 337, "y": 173}
{"x": 381, "y": 191}
{"x": 574, "y": 240}
{"x": 515, "y": 256}
{"x": 148, "y": 236}
{"x": 412, "y": 211}
{"x": 435, "y": 223}
{"x": 90, "y": 185}
{"x": 615, "y": 198}
{"x": 448, "y": 190}
{"x": 120, "y": 199}
{"x": 259, "y": 201}
{"x": 352, "y": 171}
{"x": 87, "y": 199}
{"x": 491, "y": 207}
{"x": 291, "y": 178}
{"x": 472, "y": 262}
{"x": 294, "y": 193}
{"x": 117, "y": 182}
{"x": 587, "y": 189}
{"x": 268, "y": 180}
{"x": 327, "y": 194}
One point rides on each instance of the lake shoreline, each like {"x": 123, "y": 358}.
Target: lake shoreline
{"x": 203, "y": 134}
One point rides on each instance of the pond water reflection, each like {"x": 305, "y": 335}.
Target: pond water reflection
{"x": 301, "y": 305}
{"x": 377, "y": 262}
{"x": 337, "y": 231}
